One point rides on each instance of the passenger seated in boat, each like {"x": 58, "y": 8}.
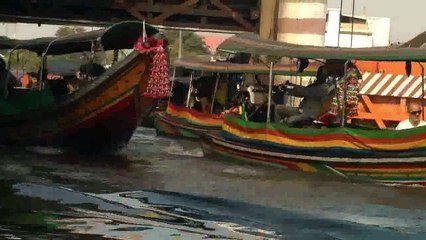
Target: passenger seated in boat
{"x": 257, "y": 100}
{"x": 414, "y": 117}
{"x": 203, "y": 91}
{"x": 179, "y": 93}
{"x": 34, "y": 84}
{"x": 314, "y": 97}
{"x": 221, "y": 96}
{"x": 89, "y": 71}
{"x": 7, "y": 80}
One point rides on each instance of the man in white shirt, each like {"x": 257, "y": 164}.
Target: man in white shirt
{"x": 414, "y": 117}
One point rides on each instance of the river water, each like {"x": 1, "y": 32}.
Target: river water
{"x": 162, "y": 188}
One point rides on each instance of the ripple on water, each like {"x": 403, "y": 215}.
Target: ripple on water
{"x": 176, "y": 148}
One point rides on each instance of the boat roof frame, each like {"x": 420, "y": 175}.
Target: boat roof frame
{"x": 117, "y": 36}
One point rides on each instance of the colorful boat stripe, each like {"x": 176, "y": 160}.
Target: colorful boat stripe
{"x": 333, "y": 155}
{"x": 194, "y": 117}
{"x": 167, "y": 125}
{"x": 331, "y": 151}
{"x": 346, "y": 140}
{"x": 389, "y": 173}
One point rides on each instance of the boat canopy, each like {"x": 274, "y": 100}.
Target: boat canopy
{"x": 251, "y": 43}
{"x": 118, "y": 36}
{"x": 227, "y": 67}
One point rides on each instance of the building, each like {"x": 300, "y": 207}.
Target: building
{"x": 367, "y": 31}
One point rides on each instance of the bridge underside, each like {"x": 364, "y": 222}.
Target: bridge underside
{"x": 225, "y": 15}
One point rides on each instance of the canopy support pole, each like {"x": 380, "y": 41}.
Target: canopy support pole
{"x": 43, "y": 68}
{"x": 268, "y": 119}
{"x": 180, "y": 45}
{"x": 115, "y": 58}
{"x": 423, "y": 89}
{"x": 340, "y": 24}
{"x": 345, "y": 86}
{"x": 215, "y": 90}
{"x": 352, "y": 27}
{"x": 189, "y": 89}
{"x": 173, "y": 82}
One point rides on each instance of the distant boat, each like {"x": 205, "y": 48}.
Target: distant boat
{"x": 181, "y": 120}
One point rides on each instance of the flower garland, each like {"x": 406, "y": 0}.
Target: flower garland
{"x": 352, "y": 81}
{"x": 159, "y": 84}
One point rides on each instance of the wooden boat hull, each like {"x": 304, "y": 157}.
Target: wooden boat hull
{"x": 384, "y": 167}
{"x": 101, "y": 116}
{"x": 175, "y": 127}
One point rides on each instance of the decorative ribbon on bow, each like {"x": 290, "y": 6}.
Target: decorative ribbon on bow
{"x": 159, "y": 84}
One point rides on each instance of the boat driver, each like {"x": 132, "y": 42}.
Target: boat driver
{"x": 314, "y": 96}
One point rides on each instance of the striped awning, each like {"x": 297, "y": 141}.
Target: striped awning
{"x": 392, "y": 85}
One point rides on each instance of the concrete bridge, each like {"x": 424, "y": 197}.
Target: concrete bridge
{"x": 294, "y": 21}
{"x": 222, "y": 15}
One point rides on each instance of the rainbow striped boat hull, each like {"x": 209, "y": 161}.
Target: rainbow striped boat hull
{"x": 381, "y": 156}
{"x": 185, "y": 122}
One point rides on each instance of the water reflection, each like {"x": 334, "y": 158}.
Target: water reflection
{"x": 160, "y": 188}
{"x": 30, "y": 209}
{"x": 46, "y": 209}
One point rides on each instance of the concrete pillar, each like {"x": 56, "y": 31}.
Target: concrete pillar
{"x": 302, "y": 21}
{"x": 268, "y": 19}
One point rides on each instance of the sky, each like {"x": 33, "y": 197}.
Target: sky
{"x": 29, "y": 31}
{"x": 408, "y": 17}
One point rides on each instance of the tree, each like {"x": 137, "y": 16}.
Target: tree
{"x": 67, "y": 30}
{"x": 192, "y": 44}
{"x": 28, "y": 61}
{"x": 24, "y": 60}
{"x": 64, "y": 31}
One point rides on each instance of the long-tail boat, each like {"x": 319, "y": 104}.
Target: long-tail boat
{"x": 101, "y": 114}
{"x": 384, "y": 156}
{"x": 184, "y": 121}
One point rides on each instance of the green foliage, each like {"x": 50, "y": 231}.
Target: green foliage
{"x": 100, "y": 57}
{"x": 192, "y": 44}
{"x": 29, "y": 61}
{"x": 23, "y": 60}
{"x": 67, "y": 30}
